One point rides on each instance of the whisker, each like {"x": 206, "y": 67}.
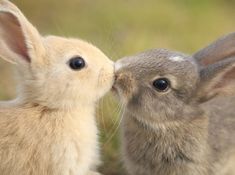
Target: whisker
{"x": 102, "y": 115}
{"x": 115, "y": 129}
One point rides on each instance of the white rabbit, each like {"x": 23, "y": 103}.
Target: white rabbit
{"x": 50, "y": 128}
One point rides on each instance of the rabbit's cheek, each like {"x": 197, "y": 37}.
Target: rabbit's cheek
{"x": 105, "y": 81}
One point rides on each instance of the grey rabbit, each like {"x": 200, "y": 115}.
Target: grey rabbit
{"x": 179, "y": 110}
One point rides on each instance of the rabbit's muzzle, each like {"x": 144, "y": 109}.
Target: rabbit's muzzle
{"x": 124, "y": 84}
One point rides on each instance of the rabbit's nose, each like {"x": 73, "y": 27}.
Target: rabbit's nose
{"x": 122, "y": 72}
{"x": 118, "y": 76}
{"x": 115, "y": 77}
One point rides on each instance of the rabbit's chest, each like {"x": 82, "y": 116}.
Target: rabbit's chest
{"x": 155, "y": 153}
{"x": 72, "y": 157}
{"x": 154, "y": 156}
{"x": 58, "y": 148}
{"x": 72, "y": 149}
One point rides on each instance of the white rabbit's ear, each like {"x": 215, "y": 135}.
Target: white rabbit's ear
{"x": 20, "y": 42}
{"x": 217, "y": 79}
{"x": 220, "y": 49}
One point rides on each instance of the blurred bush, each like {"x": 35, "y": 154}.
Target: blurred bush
{"x": 124, "y": 27}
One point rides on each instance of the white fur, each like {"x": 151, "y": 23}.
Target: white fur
{"x": 177, "y": 58}
{"x": 118, "y": 65}
{"x": 50, "y": 128}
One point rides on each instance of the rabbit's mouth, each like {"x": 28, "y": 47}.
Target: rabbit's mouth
{"x": 114, "y": 88}
{"x": 123, "y": 82}
{"x": 123, "y": 87}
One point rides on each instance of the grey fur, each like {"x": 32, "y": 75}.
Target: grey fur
{"x": 186, "y": 130}
{"x": 219, "y": 49}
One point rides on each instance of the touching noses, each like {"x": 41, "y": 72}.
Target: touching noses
{"x": 123, "y": 75}
{"x": 117, "y": 67}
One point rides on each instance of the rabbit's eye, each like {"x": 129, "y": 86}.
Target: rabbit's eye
{"x": 161, "y": 84}
{"x": 77, "y": 63}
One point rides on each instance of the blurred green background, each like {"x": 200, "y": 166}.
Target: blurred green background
{"x": 124, "y": 27}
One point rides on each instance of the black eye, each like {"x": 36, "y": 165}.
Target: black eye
{"x": 161, "y": 84}
{"x": 77, "y": 63}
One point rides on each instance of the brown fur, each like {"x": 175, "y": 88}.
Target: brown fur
{"x": 185, "y": 130}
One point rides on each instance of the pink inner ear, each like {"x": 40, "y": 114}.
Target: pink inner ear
{"x": 227, "y": 78}
{"x": 13, "y": 35}
{"x": 212, "y": 60}
{"x": 205, "y": 62}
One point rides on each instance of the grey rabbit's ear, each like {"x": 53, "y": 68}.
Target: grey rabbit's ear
{"x": 220, "y": 49}
{"x": 217, "y": 79}
{"x": 20, "y": 42}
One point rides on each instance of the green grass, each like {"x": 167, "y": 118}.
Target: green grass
{"x": 125, "y": 27}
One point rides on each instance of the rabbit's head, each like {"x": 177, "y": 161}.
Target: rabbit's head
{"x": 53, "y": 71}
{"x": 159, "y": 85}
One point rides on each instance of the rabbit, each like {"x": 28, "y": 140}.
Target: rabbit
{"x": 50, "y": 128}
{"x": 179, "y": 113}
